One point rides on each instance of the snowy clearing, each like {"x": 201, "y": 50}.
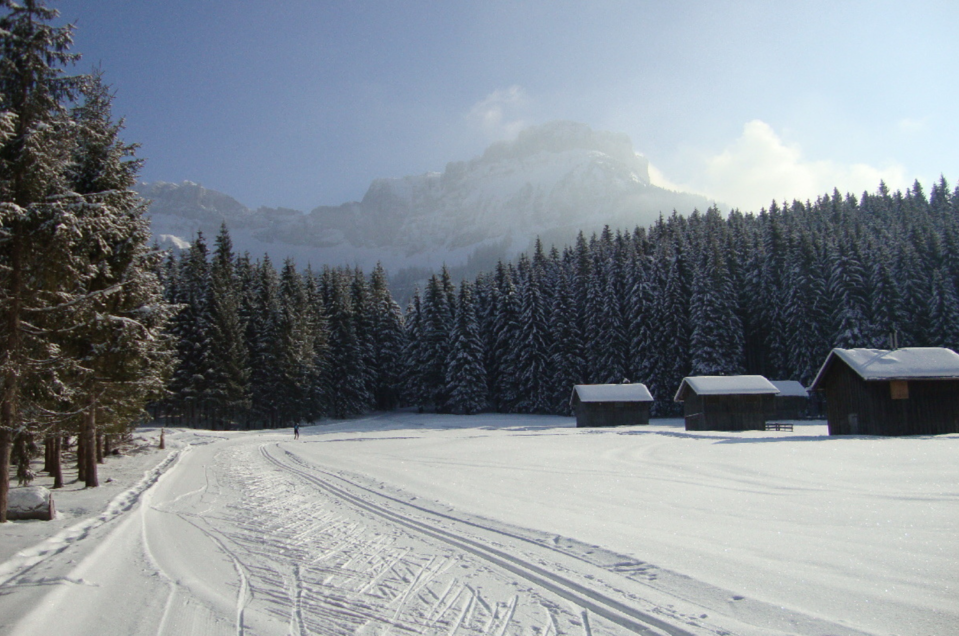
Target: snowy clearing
{"x": 494, "y": 525}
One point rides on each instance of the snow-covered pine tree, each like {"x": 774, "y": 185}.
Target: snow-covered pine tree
{"x": 847, "y": 291}
{"x": 296, "y": 355}
{"x": 389, "y": 339}
{"x": 610, "y": 332}
{"x": 503, "y": 366}
{"x": 670, "y": 317}
{"x": 414, "y": 352}
{"x": 119, "y": 313}
{"x": 437, "y": 326}
{"x": 264, "y": 329}
{"x": 566, "y": 345}
{"x": 465, "y": 375}
{"x": 716, "y": 336}
{"x": 228, "y": 391}
{"x": 247, "y": 304}
{"x": 321, "y": 345}
{"x": 639, "y": 316}
{"x": 805, "y": 311}
{"x": 347, "y": 394}
{"x": 35, "y": 145}
{"x": 191, "y": 331}
{"x": 362, "y": 302}
{"x": 943, "y": 311}
{"x": 532, "y": 344}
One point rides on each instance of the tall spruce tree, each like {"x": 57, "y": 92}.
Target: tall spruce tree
{"x": 265, "y": 345}
{"x": 229, "y": 384}
{"x": 191, "y": 331}
{"x": 389, "y": 339}
{"x": 348, "y": 392}
{"x": 118, "y": 314}
{"x": 532, "y": 358}
{"x": 465, "y": 374}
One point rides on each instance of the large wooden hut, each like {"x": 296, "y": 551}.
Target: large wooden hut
{"x": 912, "y": 391}
{"x": 792, "y": 401}
{"x": 610, "y": 404}
{"x": 727, "y": 403}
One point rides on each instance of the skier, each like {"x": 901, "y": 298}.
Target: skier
{"x": 296, "y": 431}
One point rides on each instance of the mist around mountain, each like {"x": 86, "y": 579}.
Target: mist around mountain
{"x": 551, "y": 182}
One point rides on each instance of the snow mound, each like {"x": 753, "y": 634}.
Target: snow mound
{"x": 30, "y": 502}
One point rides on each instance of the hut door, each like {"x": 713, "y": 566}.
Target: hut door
{"x": 854, "y": 423}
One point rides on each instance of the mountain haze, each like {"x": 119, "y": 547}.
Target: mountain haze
{"x": 551, "y": 181}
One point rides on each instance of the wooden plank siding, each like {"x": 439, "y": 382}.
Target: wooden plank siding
{"x": 859, "y": 407}
{"x": 792, "y": 407}
{"x": 727, "y": 412}
{"x": 590, "y": 414}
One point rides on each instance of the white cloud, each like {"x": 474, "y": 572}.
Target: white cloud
{"x": 500, "y": 114}
{"x": 657, "y": 178}
{"x": 759, "y": 167}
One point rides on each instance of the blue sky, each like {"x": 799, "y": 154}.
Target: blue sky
{"x": 302, "y": 103}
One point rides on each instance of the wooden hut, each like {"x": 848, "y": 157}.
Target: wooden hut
{"x": 912, "y": 391}
{"x": 610, "y": 404}
{"x": 792, "y": 401}
{"x": 727, "y": 403}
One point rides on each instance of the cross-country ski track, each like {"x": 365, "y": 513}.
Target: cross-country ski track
{"x": 253, "y": 533}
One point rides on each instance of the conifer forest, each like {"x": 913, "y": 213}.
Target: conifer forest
{"x": 768, "y": 293}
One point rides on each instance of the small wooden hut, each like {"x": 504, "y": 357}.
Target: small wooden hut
{"x": 911, "y": 391}
{"x": 727, "y": 403}
{"x": 792, "y": 401}
{"x": 610, "y": 404}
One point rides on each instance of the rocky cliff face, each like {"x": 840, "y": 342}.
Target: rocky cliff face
{"x": 551, "y": 181}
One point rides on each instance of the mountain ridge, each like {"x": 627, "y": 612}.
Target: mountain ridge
{"x": 551, "y": 182}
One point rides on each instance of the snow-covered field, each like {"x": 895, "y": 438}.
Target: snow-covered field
{"x": 406, "y": 523}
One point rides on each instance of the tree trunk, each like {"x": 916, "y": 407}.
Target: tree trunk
{"x": 81, "y": 455}
{"x": 107, "y": 444}
{"x": 48, "y": 454}
{"x": 6, "y": 444}
{"x": 90, "y": 444}
{"x": 57, "y": 464}
{"x": 99, "y": 438}
{"x": 11, "y": 375}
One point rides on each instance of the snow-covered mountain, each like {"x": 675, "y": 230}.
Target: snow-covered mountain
{"x": 551, "y": 181}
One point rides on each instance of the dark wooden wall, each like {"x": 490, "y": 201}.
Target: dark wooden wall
{"x": 727, "y": 412}
{"x": 590, "y": 414}
{"x": 792, "y": 407}
{"x": 857, "y": 407}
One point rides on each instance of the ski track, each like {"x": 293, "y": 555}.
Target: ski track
{"x": 457, "y": 608}
{"x": 308, "y": 561}
{"x": 334, "y": 574}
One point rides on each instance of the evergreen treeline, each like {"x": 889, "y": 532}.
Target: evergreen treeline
{"x": 82, "y": 344}
{"x": 700, "y": 295}
{"x": 261, "y": 348}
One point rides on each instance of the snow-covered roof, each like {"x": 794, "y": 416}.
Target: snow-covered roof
{"x": 790, "y": 388}
{"x": 726, "y": 385}
{"x": 613, "y": 392}
{"x": 911, "y": 363}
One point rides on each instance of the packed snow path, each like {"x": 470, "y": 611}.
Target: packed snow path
{"x": 252, "y": 533}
